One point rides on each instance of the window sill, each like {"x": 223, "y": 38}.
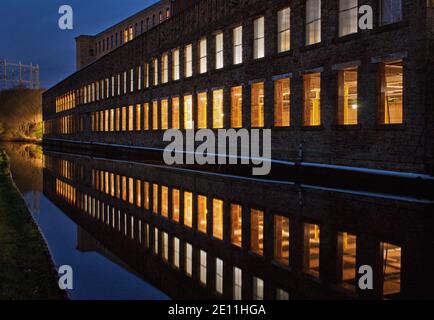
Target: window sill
{"x": 312, "y": 46}
{"x": 286, "y": 128}
{"x": 345, "y": 127}
{"x": 235, "y": 66}
{"x": 346, "y": 38}
{"x": 391, "y": 127}
{"x": 391, "y": 26}
{"x": 258, "y": 60}
{"x": 281, "y": 266}
{"x": 217, "y": 71}
{"x": 284, "y": 54}
{"x": 313, "y": 128}
{"x": 312, "y": 277}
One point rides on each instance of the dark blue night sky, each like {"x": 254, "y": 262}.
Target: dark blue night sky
{"x": 29, "y": 31}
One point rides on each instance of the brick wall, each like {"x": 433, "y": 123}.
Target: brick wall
{"x": 403, "y": 147}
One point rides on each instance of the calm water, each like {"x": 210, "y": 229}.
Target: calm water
{"x": 95, "y": 275}
{"x": 141, "y": 231}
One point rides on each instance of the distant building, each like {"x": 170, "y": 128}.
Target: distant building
{"x": 91, "y": 48}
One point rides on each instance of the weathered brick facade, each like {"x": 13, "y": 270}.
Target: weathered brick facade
{"x": 406, "y": 147}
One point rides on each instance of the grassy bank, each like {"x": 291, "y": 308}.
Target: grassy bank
{"x": 26, "y": 269}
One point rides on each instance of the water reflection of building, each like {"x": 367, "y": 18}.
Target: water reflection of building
{"x": 199, "y": 237}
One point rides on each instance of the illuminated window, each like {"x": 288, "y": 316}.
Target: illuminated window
{"x": 131, "y": 118}
{"x": 259, "y": 38}
{"x": 188, "y": 259}
{"x": 131, "y": 190}
{"x": 238, "y": 45}
{"x": 124, "y": 188}
{"x": 175, "y": 113}
{"x": 237, "y": 107}
{"x": 176, "y": 204}
{"x": 257, "y": 112}
{"x": 236, "y": 225}
{"x": 217, "y": 109}
{"x": 165, "y": 246}
{"x": 165, "y": 201}
{"x": 390, "y": 11}
{"x": 165, "y": 68}
{"x": 94, "y": 122}
{"x": 188, "y": 209}
{"x": 219, "y": 47}
{"x": 155, "y": 71}
{"x": 164, "y": 114}
{"x": 138, "y": 117}
{"x": 139, "y": 78}
{"x": 156, "y": 236}
{"x": 155, "y": 125}
{"x": 311, "y": 249}
{"x": 348, "y": 104}
{"x": 313, "y": 21}
{"x": 188, "y": 113}
{"x": 125, "y": 83}
{"x": 155, "y": 198}
{"x": 203, "y": 56}
{"x": 282, "y": 295}
{"x": 107, "y": 121}
{"x": 112, "y": 120}
{"x": 391, "y": 267}
{"x": 257, "y": 232}
{"x": 188, "y": 52}
{"x": 112, "y": 184}
{"x": 176, "y": 65}
{"x": 130, "y": 33}
{"x": 391, "y": 93}
{"x": 146, "y": 75}
{"x": 202, "y": 213}
{"x": 118, "y": 119}
{"x": 203, "y": 267}
{"x": 124, "y": 118}
{"x": 312, "y": 99}
{"x": 202, "y": 110}
{"x": 118, "y": 186}
{"x": 347, "y": 248}
{"x": 138, "y": 193}
{"x": 146, "y": 116}
{"x": 258, "y": 289}
{"x": 119, "y": 84}
{"x": 146, "y": 196}
{"x": 219, "y": 276}
{"x": 284, "y": 30}
{"x": 101, "y": 123}
{"x": 282, "y": 102}
{"x": 176, "y": 252}
{"x": 282, "y": 240}
{"x": 132, "y": 80}
{"x": 217, "y": 216}
{"x": 147, "y": 236}
{"x": 238, "y": 284}
{"x": 348, "y": 17}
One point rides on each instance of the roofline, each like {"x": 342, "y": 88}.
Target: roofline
{"x": 132, "y": 17}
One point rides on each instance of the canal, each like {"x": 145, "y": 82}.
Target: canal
{"x": 133, "y": 230}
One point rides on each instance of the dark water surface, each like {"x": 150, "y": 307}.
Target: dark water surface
{"x": 96, "y": 276}
{"x": 140, "y": 231}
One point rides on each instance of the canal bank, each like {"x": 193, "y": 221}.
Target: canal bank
{"x": 26, "y": 268}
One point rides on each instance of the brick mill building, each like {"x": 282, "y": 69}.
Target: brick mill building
{"x": 333, "y": 94}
